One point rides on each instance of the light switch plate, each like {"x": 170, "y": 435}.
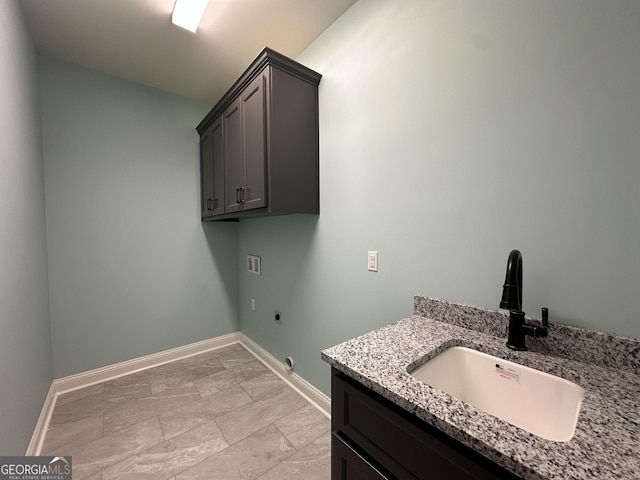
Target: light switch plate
{"x": 372, "y": 261}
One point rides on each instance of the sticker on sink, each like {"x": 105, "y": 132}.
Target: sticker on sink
{"x": 508, "y": 373}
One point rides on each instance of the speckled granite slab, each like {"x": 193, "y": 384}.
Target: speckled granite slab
{"x": 605, "y": 445}
{"x": 588, "y": 346}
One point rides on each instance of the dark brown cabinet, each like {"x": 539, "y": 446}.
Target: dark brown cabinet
{"x": 259, "y": 144}
{"x": 348, "y": 464}
{"x": 244, "y": 124}
{"x": 372, "y": 438}
{"x": 212, "y": 170}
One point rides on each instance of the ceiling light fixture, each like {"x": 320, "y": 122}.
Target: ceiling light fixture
{"x": 187, "y": 13}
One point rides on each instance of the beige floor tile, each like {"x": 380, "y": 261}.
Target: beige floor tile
{"x": 241, "y": 423}
{"x": 246, "y": 460}
{"x": 199, "y": 370}
{"x": 207, "y": 358}
{"x": 313, "y": 462}
{"x": 95, "y": 456}
{"x": 259, "y": 386}
{"x": 141, "y": 409}
{"x": 61, "y": 438}
{"x": 201, "y": 411}
{"x": 176, "y": 422}
{"x": 233, "y": 358}
{"x": 171, "y": 457}
{"x": 303, "y": 426}
{"x": 169, "y": 376}
{"x": 229, "y": 377}
{"x": 95, "y": 476}
{"x": 98, "y": 403}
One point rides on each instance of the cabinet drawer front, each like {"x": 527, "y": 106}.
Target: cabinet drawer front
{"x": 402, "y": 444}
{"x": 347, "y": 464}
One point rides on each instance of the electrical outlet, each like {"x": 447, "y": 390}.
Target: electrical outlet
{"x": 372, "y": 261}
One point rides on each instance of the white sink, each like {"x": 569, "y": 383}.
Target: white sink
{"x": 540, "y": 403}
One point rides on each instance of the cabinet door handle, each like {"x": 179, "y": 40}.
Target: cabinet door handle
{"x": 238, "y": 195}
{"x": 242, "y": 195}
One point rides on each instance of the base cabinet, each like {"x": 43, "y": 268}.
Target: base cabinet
{"x": 372, "y": 438}
{"x": 348, "y": 464}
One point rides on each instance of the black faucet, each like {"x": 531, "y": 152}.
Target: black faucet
{"x": 512, "y": 300}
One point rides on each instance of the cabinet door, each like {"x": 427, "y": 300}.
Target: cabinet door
{"x": 212, "y": 171}
{"x": 400, "y": 443}
{"x": 347, "y": 464}
{"x": 234, "y": 157}
{"x": 206, "y": 174}
{"x": 218, "y": 167}
{"x": 254, "y": 122}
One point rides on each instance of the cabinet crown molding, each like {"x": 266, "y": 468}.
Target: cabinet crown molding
{"x": 267, "y": 57}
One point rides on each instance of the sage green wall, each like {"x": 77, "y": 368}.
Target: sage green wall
{"x": 25, "y": 351}
{"x": 132, "y": 270}
{"x": 450, "y": 133}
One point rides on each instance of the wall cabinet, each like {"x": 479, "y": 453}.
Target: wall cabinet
{"x": 259, "y": 143}
{"x": 244, "y": 127}
{"x": 212, "y": 170}
{"x": 372, "y": 438}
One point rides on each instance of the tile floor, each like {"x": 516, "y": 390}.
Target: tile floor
{"x": 219, "y": 415}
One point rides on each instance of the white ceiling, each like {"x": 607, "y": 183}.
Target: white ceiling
{"x": 135, "y": 39}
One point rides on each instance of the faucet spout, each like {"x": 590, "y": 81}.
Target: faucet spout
{"x": 512, "y": 288}
{"x": 512, "y": 301}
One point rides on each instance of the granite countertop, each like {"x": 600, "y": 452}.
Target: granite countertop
{"x": 605, "y": 444}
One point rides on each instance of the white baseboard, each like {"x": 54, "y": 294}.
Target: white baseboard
{"x": 103, "y": 374}
{"x": 35, "y": 445}
{"x": 109, "y": 372}
{"x": 314, "y": 396}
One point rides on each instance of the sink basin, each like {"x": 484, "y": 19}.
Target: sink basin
{"x": 540, "y": 403}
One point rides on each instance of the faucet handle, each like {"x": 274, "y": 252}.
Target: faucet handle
{"x": 545, "y": 317}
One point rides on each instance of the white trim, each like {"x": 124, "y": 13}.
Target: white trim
{"x": 35, "y": 445}
{"x": 314, "y": 396}
{"x": 103, "y": 374}
{"x": 109, "y": 372}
